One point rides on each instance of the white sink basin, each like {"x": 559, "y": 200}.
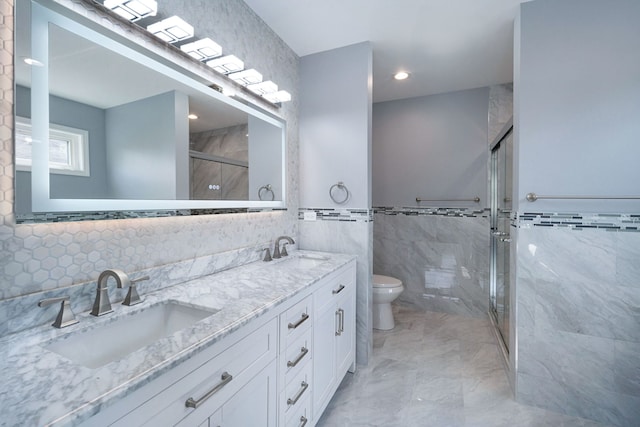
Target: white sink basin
{"x": 305, "y": 261}
{"x": 97, "y": 347}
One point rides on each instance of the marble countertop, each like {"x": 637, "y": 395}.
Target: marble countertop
{"x": 39, "y": 387}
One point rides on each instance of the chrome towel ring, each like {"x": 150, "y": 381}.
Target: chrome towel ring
{"x": 264, "y": 190}
{"x": 340, "y": 186}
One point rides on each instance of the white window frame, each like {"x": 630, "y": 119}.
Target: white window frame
{"x": 78, "y": 140}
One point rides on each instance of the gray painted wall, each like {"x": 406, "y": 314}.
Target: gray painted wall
{"x": 80, "y": 116}
{"x": 144, "y": 141}
{"x": 431, "y": 147}
{"x": 335, "y": 126}
{"x": 576, "y": 292}
{"x": 335, "y": 145}
{"x": 577, "y": 104}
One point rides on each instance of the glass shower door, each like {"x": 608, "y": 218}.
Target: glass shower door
{"x": 501, "y": 186}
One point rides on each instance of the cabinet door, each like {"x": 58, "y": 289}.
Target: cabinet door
{"x": 345, "y": 340}
{"x": 324, "y": 356}
{"x": 254, "y": 404}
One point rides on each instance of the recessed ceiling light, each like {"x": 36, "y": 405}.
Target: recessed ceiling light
{"x": 34, "y": 62}
{"x": 192, "y": 116}
{"x": 401, "y": 75}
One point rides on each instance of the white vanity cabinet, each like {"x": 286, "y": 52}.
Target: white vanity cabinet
{"x": 295, "y": 361}
{"x": 280, "y": 369}
{"x": 232, "y": 383}
{"x": 252, "y": 405}
{"x": 334, "y": 335}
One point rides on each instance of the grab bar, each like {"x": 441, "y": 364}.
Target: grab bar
{"x": 475, "y": 199}
{"x": 532, "y": 197}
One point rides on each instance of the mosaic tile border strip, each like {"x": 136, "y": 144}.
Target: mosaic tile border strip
{"x": 578, "y": 221}
{"x": 412, "y": 211}
{"x": 346, "y": 215}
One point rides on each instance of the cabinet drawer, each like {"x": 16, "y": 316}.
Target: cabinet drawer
{"x": 296, "y": 392}
{"x": 296, "y": 356}
{"x": 336, "y": 286}
{"x": 295, "y": 322}
{"x": 211, "y": 384}
{"x": 300, "y": 416}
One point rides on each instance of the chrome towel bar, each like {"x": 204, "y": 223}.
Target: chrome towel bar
{"x": 532, "y": 197}
{"x": 475, "y": 200}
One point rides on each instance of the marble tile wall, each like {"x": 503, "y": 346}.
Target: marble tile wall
{"x": 17, "y": 314}
{"x": 50, "y": 258}
{"x": 441, "y": 256}
{"x": 500, "y": 108}
{"x": 351, "y": 233}
{"x": 578, "y": 315}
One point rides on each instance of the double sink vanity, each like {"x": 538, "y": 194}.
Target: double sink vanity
{"x": 262, "y": 344}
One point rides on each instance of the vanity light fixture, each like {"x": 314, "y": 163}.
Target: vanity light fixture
{"x": 133, "y": 10}
{"x": 171, "y": 30}
{"x": 192, "y": 116}
{"x": 202, "y": 49}
{"x": 263, "y": 88}
{"x": 401, "y": 75}
{"x": 226, "y": 64}
{"x": 278, "y": 97}
{"x": 246, "y": 77}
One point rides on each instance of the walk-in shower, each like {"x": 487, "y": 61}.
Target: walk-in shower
{"x": 501, "y": 193}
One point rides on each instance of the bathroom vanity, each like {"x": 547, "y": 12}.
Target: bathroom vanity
{"x": 264, "y": 344}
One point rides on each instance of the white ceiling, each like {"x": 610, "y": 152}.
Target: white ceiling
{"x": 446, "y": 45}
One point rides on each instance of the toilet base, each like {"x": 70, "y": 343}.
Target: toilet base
{"x": 383, "y": 317}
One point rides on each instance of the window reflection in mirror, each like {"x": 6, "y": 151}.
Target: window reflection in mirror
{"x": 139, "y": 140}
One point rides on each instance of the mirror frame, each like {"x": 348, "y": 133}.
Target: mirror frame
{"x": 45, "y": 208}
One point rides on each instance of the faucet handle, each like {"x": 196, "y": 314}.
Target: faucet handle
{"x": 65, "y": 315}
{"x": 267, "y": 255}
{"x": 283, "y": 251}
{"x": 132, "y": 297}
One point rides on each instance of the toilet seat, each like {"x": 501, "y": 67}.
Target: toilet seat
{"x": 380, "y": 281}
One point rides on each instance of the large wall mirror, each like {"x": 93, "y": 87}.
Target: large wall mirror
{"x": 105, "y": 126}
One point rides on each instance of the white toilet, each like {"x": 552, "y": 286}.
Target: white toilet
{"x": 385, "y": 290}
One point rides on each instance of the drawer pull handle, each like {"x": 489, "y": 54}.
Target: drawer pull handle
{"x": 225, "y": 379}
{"x": 304, "y": 317}
{"x": 303, "y": 388}
{"x": 337, "y": 291}
{"x": 303, "y": 421}
{"x": 303, "y": 353}
{"x": 340, "y": 314}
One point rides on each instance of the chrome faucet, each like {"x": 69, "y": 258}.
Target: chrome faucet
{"x": 277, "y": 253}
{"x": 132, "y": 297}
{"x": 65, "y": 315}
{"x": 102, "y": 305}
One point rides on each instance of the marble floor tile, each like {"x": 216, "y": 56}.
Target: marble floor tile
{"x": 435, "y": 370}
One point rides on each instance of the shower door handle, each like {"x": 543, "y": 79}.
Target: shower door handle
{"x": 506, "y": 239}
